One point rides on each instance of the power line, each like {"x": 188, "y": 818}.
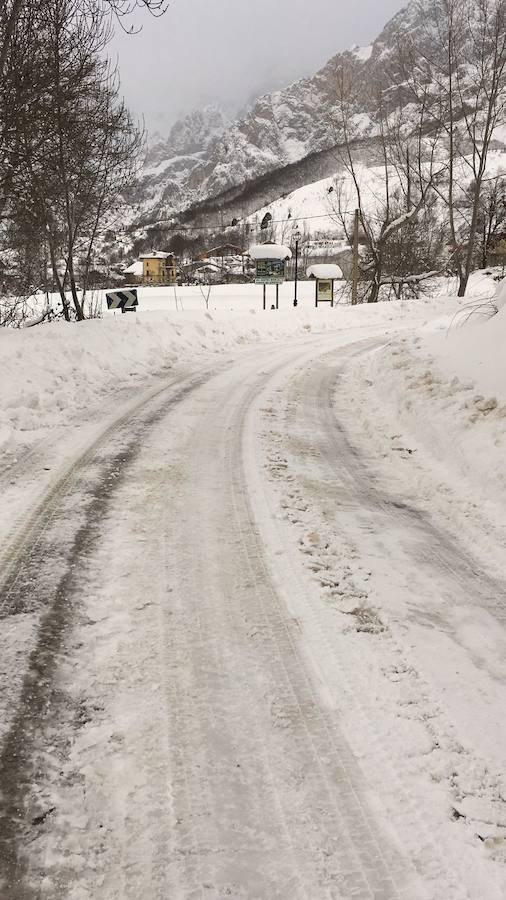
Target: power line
{"x": 239, "y": 224}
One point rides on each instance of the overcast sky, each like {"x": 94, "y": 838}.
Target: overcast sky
{"x": 228, "y": 51}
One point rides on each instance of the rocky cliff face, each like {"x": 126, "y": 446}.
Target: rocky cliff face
{"x": 204, "y": 156}
{"x": 191, "y": 135}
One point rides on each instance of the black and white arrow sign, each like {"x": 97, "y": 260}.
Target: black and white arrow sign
{"x": 124, "y": 300}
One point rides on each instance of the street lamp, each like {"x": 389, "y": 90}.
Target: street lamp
{"x": 296, "y": 236}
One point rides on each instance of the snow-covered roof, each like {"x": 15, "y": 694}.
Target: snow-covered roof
{"x": 322, "y": 270}
{"x": 134, "y": 269}
{"x": 155, "y": 254}
{"x": 270, "y": 251}
{"x": 209, "y": 266}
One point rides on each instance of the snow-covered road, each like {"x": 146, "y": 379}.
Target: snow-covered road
{"x": 237, "y": 673}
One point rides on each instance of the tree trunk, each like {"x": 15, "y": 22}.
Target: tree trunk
{"x": 463, "y": 279}
{"x": 484, "y": 249}
{"x": 9, "y": 32}
{"x": 376, "y": 283}
{"x": 73, "y": 290}
{"x": 59, "y": 284}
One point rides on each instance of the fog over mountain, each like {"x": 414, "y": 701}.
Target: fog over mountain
{"x": 284, "y": 140}
{"x": 230, "y": 52}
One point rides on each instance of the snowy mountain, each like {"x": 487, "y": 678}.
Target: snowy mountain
{"x": 169, "y": 163}
{"x": 205, "y": 156}
{"x": 285, "y": 141}
{"x": 191, "y": 135}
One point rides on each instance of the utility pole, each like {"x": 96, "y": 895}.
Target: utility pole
{"x": 354, "y": 286}
{"x": 296, "y": 237}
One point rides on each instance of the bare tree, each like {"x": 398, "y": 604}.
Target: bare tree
{"x": 30, "y": 130}
{"x": 407, "y": 159}
{"x": 491, "y": 225}
{"x": 206, "y": 293}
{"x": 77, "y": 147}
{"x": 10, "y": 14}
{"x": 481, "y": 93}
{"x": 123, "y": 8}
{"x": 461, "y": 76}
{"x": 12, "y": 11}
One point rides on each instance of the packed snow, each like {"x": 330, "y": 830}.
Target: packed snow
{"x": 334, "y": 636}
{"x": 270, "y": 251}
{"x": 324, "y": 271}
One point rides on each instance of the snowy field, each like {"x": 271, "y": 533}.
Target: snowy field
{"x": 56, "y": 370}
{"x": 254, "y": 580}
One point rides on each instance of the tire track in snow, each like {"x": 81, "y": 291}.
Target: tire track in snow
{"x": 345, "y": 484}
{"x": 264, "y": 796}
{"x": 52, "y": 601}
{"x": 26, "y": 530}
{"x": 299, "y": 800}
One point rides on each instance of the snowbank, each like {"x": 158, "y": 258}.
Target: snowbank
{"x": 53, "y": 372}
{"x": 474, "y": 349}
{"x": 434, "y": 406}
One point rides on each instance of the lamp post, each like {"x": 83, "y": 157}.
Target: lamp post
{"x": 296, "y": 235}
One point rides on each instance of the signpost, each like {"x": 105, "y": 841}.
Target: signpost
{"x": 324, "y": 291}
{"x": 125, "y": 300}
{"x": 296, "y": 235}
{"x": 324, "y": 275}
{"x": 270, "y": 267}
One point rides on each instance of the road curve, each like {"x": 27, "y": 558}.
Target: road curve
{"x": 178, "y": 730}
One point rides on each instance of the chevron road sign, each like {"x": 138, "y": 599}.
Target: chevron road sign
{"x": 126, "y": 300}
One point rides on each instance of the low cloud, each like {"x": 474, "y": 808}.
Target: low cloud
{"x": 227, "y": 52}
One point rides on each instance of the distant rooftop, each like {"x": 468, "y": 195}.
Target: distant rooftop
{"x": 155, "y": 254}
{"x": 134, "y": 269}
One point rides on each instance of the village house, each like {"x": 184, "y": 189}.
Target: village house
{"x": 158, "y": 268}
{"x": 223, "y": 252}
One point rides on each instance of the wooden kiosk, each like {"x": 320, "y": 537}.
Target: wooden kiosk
{"x": 324, "y": 275}
{"x": 270, "y": 262}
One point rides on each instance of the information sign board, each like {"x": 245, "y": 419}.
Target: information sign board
{"x": 269, "y": 279}
{"x": 270, "y": 271}
{"x": 325, "y": 290}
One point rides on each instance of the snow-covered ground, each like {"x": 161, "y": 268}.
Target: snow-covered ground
{"x": 253, "y": 632}
{"x": 317, "y": 208}
{"x": 56, "y": 371}
{"x": 435, "y": 403}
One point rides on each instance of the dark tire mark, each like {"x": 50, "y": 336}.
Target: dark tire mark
{"x": 55, "y": 599}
